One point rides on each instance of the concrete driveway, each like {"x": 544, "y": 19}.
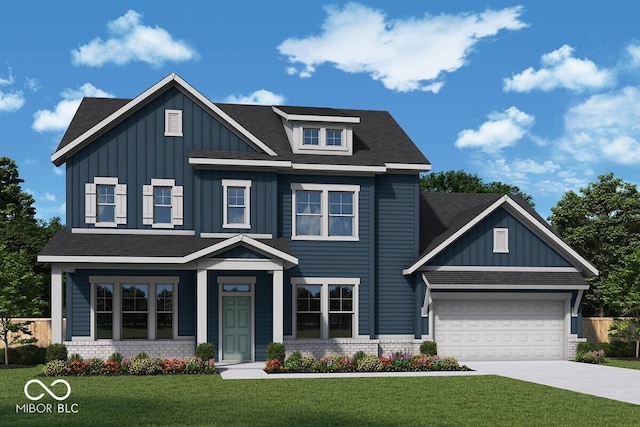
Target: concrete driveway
{"x": 603, "y": 381}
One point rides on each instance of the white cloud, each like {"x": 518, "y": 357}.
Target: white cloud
{"x": 49, "y": 197}
{"x": 259, "y": 97}
{"x": 560, "y": 69}
{"x": 58, "y": 171}
{"x": 32, "y": 84}
{"x": 131, "y": 41}
{"x": 11, "y": 101}
{"x": 9, "y": 80}
{"x": 405, "y": 54}
{"x": 604, "y": 126}
{"x": 503, "y": 129}
{"x": 58, "y": 119}
{"x": 634, "y": 53}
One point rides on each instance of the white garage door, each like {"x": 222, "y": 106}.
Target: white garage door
{"x": 500, "y": 329}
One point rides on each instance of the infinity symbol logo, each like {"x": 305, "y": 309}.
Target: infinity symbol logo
{"x": 45, "y": 388}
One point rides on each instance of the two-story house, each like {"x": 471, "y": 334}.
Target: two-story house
{"x": 190, "y": 221}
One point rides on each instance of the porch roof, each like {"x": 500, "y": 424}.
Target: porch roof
{"x": 67, "y": 247}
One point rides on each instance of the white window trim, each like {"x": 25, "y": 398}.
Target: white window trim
{"x": 117, "y": 282}
{"x": 243, "y": 183}
{"x": 325, "y": 282}
{"x": 91, "y": 202}
{"x": 500, "y": 240}
{"x": 177, "y": 213}
{"x": 167, "y": 129}
{"x": 322, "y": 148}
{"x": 324, "y": 201}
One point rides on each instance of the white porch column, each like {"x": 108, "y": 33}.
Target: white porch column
{"x": 56, "y": 305}
{"x": 201, "y": 307}
{"x": 278, "y": 306}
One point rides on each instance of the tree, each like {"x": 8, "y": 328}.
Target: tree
{"x": 622, "y": 293}
{"x": 20, "y": 296}
{"x": 14, "y": 203}
{"x": 603, "y": 224}
{"x": 463, "y": 182}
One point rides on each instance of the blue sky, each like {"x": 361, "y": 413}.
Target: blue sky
{"x": 544, "y": 95}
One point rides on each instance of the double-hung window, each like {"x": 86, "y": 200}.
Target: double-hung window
{"x": 105, "y": 202}
{"x": 134, "y": 308}
{"x": 162, "y": 204}
{"x": 311, "y": 136}
{"x": 325, "y": 308}
{"x": 324, "y": 212}
{"x": 236, "y": 203}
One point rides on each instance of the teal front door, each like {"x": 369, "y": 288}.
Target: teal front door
{"x": 236, "y": 327}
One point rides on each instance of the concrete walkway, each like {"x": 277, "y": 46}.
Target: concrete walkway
{"x": 597, "y": 380}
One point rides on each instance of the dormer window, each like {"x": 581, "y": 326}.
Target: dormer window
{"x": 318, "y": 130}
{"x": 311, "y": 136}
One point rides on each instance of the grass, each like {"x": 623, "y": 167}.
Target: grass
{"x": 623, "y": 363}
{"x": 397, "y": 401}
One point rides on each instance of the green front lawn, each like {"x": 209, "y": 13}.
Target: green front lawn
{"x": 375, "y": 401}
{"x": 623, "y": 363}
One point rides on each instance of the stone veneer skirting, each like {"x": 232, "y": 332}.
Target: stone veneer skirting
{"x": 104, "y": 349}
{"x": 572, "y": 348}
{"x": 378, "y": 347}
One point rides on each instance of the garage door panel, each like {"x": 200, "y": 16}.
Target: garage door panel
{"x": 500, "y": 330}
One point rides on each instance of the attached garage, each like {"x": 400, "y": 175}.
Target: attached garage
{"x": 506, "y": 328}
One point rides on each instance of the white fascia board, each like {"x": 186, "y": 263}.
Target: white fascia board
{"x": 199, "y": 161}
{"x": 551, "y": 236}
{"x": 337, "y": 168}
{"x": 408, "y": 167}
{"x": 312, "y": 118}
{"x": 270, "y": 250}
{"x": 489, "y": 286}
{"x": 455, "y": 236}
{"x": 109, "y": 259}
{"x": 58, "y": 157}
{"x": 460, "y": 268}
{"x": 132, "y": 231}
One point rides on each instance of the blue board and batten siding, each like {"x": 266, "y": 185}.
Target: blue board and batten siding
{"x": 79, "y": 294}
{"x": 346, "y": 259}
{"x": 396, "y": 247}
{"x": 136, "y": 151}
{"x": 475, "y": 248}
{"x": 209, "y": 201}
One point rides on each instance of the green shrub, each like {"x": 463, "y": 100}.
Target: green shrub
{"x": 357, "y": 356}
{"x": 307, "y": 362}
{"x": 75, "y": 356}
{"x": 429, "y": 348}
{"x": 275, "y": 350}
{"x": 25, "y": 355}
{"x": 56, "y": 352}
{"x": 596, "y": 357}
{"x": 448, "y": 364}
{"x": 205, "y": 351}
{"x": 141, "y": 355}
{"x": 293, "y": 363}
{"x": 146, "y": 366}
{"x": 116, "y": 357}
{"x": 55, "y": 368}
{"x": 369, "y": 363}
{"x": 621, "y": 349}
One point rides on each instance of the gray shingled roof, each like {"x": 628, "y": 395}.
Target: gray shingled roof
{"x": 378, "y": 139}
{"x": 515, "y": 278}
{"x": 135, "y": 245}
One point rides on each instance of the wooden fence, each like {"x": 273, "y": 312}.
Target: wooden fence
{"x": 40, "y": 328}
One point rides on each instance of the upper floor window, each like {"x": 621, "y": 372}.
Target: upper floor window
{"x": 334, "y": 137}
{"x": 311, "y": 136}
{"x": 501, "y": 240}
{"x": 105, "y": 202}
{"x": 162, "y": 204}
{"x": 236, "y": 203}
{"x": 324, "y": 212}
{"x": 173, "y": 123}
